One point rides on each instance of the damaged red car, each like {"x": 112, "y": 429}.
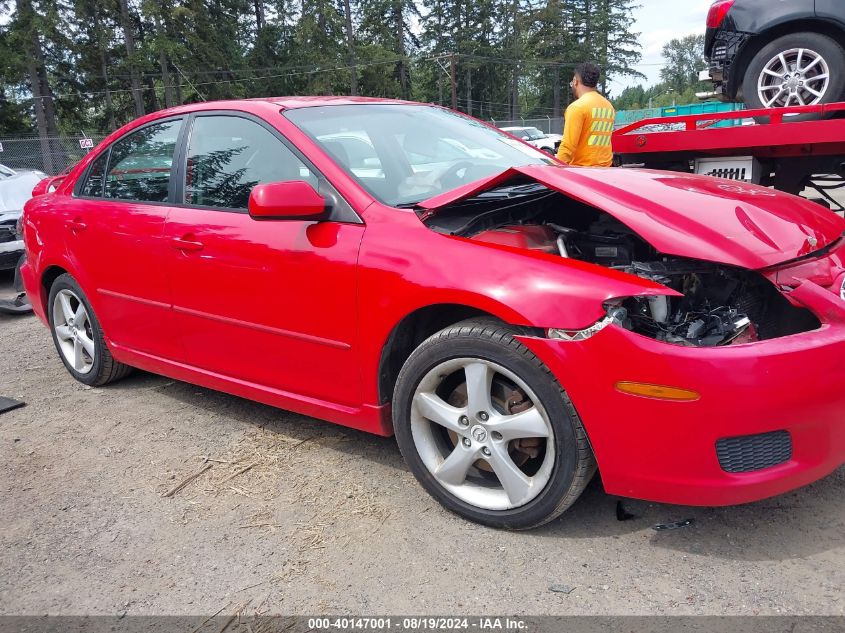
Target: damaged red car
{"x": 403, "y": 269}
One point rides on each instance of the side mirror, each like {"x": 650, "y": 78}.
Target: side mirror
{"x": 292, "y": 200}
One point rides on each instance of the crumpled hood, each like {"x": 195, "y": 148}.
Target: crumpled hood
{"x": 16, "y": 190}
{"x": 698, "y": 217}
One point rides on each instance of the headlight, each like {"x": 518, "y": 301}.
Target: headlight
{"x": 19, "y": 228}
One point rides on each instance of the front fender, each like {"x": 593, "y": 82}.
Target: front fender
{"x": 404, "y": 267}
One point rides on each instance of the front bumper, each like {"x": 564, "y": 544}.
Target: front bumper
{"x": 10, "y": 253}
{"x": 666, "y": 451}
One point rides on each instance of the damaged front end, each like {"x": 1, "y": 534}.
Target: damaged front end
{"x": 719, "y": 305}
{"x": 707, "y": 304}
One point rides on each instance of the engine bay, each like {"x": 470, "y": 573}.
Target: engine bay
{"x": 720, "y": 305}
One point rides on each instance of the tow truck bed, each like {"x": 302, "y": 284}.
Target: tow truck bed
{"x": 788, "y": 155}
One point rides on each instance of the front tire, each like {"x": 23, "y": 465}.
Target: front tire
{"x": 794, "y": 70}
{"x": 487, "y": 430}
{"x": 78, "y": 336}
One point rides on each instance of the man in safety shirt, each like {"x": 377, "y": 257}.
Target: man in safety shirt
{"x": 588, "y": 123}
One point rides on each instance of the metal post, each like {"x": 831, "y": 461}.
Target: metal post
{"x": 454, "y": 81}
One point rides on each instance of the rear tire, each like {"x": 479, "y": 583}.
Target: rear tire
{"x": 546, "y": 463}
{"x": 78, "y": 336}
{"x": 762, "y": 89}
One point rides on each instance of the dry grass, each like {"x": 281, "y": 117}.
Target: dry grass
{"x": 269, "y": 477}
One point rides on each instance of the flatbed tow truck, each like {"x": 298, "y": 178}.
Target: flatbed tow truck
{"x": 763, "y": 148}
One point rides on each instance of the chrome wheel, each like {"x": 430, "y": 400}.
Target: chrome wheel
{"x": 483, "y": 434}
{"x": 74, "y": 333}
{"x": 798, "y": 76}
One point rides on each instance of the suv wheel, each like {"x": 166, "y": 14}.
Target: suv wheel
{"x": 487, "y": 430}
{"x": 795, "y": 70}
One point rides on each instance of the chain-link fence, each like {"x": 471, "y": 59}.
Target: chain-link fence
{"x": 54, "y": 155}
{"x": 50, "y": 155}
{"x": 547, "y": 125}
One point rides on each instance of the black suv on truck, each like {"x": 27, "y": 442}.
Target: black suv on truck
{"x": 777, "y": 53}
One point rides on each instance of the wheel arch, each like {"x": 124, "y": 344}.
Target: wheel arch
{"x": 413, "y": 329}
{"x": 48, "y": 277}
{"x": 759, "y": 41}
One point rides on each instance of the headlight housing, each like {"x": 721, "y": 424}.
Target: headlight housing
{"x": 615, "y": 314}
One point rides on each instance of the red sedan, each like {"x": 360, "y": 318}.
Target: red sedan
{"x": 400, "y": 268}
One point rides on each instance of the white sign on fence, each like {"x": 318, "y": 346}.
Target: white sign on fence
{"x": 86, "y": 143}
{"x": 1, "y": 147}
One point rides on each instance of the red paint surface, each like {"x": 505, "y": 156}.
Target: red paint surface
{"x": 296, "y": 314}
{"x": 779, "y": 138}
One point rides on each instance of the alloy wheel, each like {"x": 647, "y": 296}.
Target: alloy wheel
{"x": 795, "y": 77}
{"x": 483, "y": 434}
{"x": 74, "y": 333}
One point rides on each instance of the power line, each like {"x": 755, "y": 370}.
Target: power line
{"x": 315, "y": 69}
{"x": 300, "y": 70}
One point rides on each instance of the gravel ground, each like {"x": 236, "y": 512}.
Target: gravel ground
{"x": 298, "y": 516}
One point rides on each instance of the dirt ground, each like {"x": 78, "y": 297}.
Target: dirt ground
{"x": 298, "y": 516}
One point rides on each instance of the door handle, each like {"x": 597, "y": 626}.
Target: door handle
{"x": 186, "y": 245}
{"x": 76, "y": 225}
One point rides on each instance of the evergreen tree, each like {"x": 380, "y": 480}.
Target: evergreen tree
{"x": 91, "y": 65}
{"x": 385, "y": 26}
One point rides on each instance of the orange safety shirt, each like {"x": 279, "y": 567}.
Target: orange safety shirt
{"x": 587, "y": 132}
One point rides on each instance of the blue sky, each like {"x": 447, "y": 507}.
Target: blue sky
{"x": 659, "y": 21}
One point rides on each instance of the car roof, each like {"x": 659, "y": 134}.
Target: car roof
{"x": 284, "y": 103}
{"x": 292, "y": 103}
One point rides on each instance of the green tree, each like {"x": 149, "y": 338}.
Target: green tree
{"x": 684, "y": 60}
{"x": 319, "y": 38}
{"x": 386, "y": 27}
{"x": 26, "y": 34}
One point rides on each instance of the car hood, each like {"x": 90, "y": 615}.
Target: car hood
{"x": 16, "y": 190}
{"x": 699, "y": 217}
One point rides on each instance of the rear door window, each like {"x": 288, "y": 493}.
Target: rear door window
{"x": 93, "y": 187}
{"x": 141, "y": 163}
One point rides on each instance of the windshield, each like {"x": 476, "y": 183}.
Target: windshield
{"x": 534, "y": 134}
{"x": 404, "y": 154}
{"x": 5, "y": 172}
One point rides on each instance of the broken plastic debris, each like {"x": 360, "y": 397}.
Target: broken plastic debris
{"x": 8, "y": 404}
{"x": 663, "y": 527}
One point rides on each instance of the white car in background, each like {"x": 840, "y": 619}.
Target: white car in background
{"x": 15, "y": 189}
{"x": 531, "y": 135}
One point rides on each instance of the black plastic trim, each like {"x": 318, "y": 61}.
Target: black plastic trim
{"x": 751, "y": 453}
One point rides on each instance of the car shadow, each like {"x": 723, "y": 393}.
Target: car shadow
{"x": 802, "y": 523}
{"x": 249, "y": 413}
